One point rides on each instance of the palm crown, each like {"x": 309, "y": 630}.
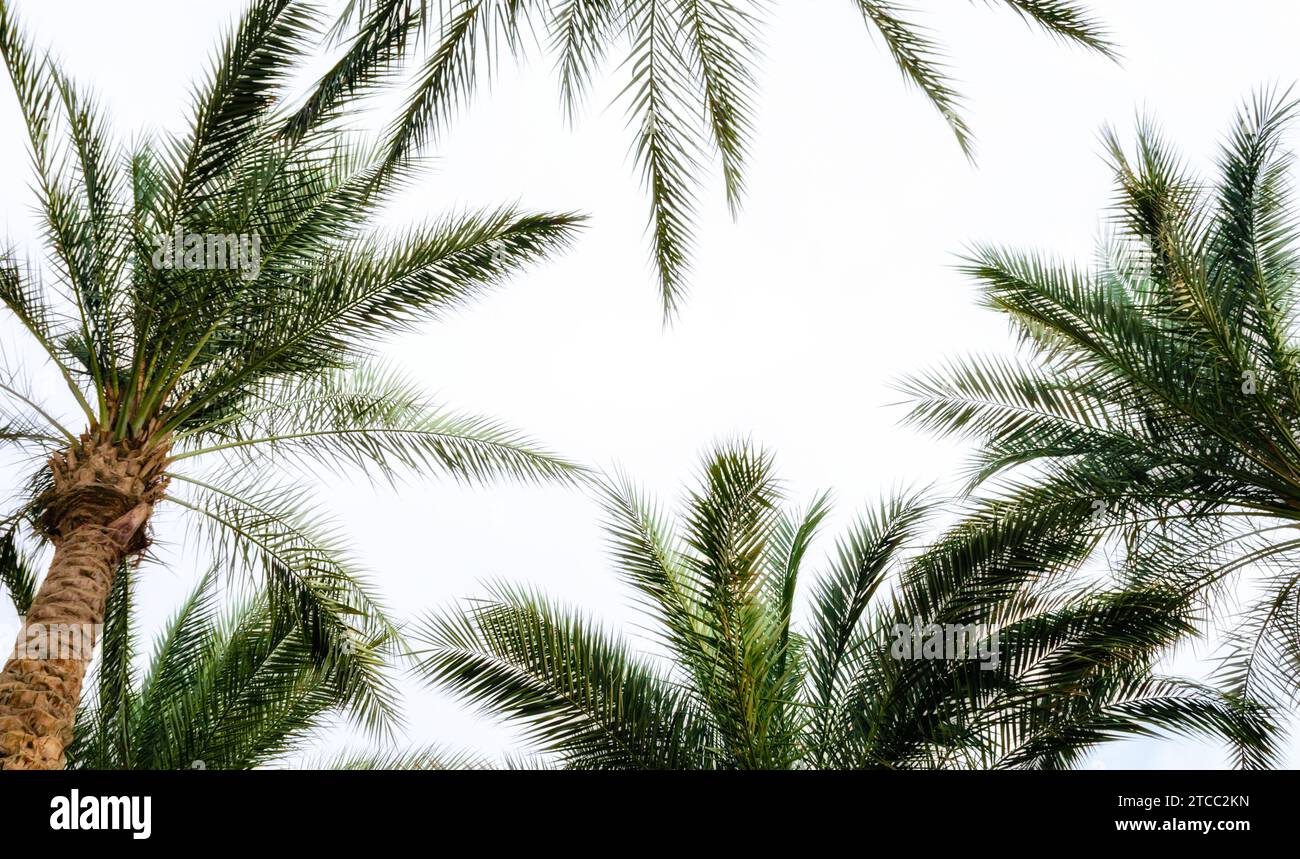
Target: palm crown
{"x": 689, "y": 69}
{"x": 195, "y": 379}
{"x": 744, "y": 687}
{"x": 1159, "y": 396}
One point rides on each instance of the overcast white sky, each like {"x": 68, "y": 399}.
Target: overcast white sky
{"x": 835, "y": 281}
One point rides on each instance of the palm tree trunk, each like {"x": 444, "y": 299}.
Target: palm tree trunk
{"x": 95, "y": 515}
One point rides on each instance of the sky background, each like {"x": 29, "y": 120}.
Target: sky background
{"x": 836, "y": 280}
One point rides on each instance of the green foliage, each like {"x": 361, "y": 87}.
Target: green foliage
{"x": 1156, "y": 401}
{"x": 690, "y": 69}
{"x": 232, "y": 689}
{"x": 238, "y": 687}
{"x": 16, "y": 573}
{"x": 260, "y": 369}
{"x": 735, "y": 682}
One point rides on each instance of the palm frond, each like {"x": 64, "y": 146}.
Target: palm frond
{"x": 580, "y": 34}
{"x": 16, "y": 573}
{"x": 668, "y": 149}
{"x": 578, "y": 692}
{"x": 1068, "y": 21}
{"x": 469, "y": 32}
{"x": 690, "y": 81}
{"x": 1156, "y": 408}
{"x": 374, "y": 420}
{"x": 862, "y": 563}
{"x": 319, "y": 320}
{"x": 370, "y": 60}
{"x": 270, "y": 537}
{"x": 1039, "y": 671}
{"x": 246, "y": 83}
{"x": 921, "y": 62}
{"x": 425, "y": 758}
{"x": 224, "y": 690}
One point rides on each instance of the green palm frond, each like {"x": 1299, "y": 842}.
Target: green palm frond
{"x": 367, "y": 65}
{"x": 225, "y": 689}
{"x": 1045, "y": 671}
{"x": 17, "y": 574}
{"x": 245, "y": 86}
{"x": 921, "y": 62}
{"x": 427, "y": 758}
{"x": 641, "y": 540}
{"x": 467, "y": 34}
{"x": 580, "y": 694}
{"x": 1158, "y": 708}
{"x": 329, "y": 314}
{"x": 22, "y": 295}
{"x": 1157, "y": 404}
{"x": 581, "y": 32}
{"x": 374, "y": 419}
{"x": 689, "y": 69}
{"x": 271, "y": 535}
{"x": 1067, "y": 21}
{"x": 114, "y": 737}
{"x": 862, "y": 563}
{"x": 151, "y": 344}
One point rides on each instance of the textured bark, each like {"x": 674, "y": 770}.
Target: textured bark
{"x": 96, "y": 515}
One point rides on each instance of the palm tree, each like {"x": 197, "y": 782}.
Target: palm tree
{"x": 205, "y": 384}
{"x": 1157, "y": 399}
{"x": 1044, "y": 672}
{"x": 233, "y": 689}
{"x": 689, "y": 69}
